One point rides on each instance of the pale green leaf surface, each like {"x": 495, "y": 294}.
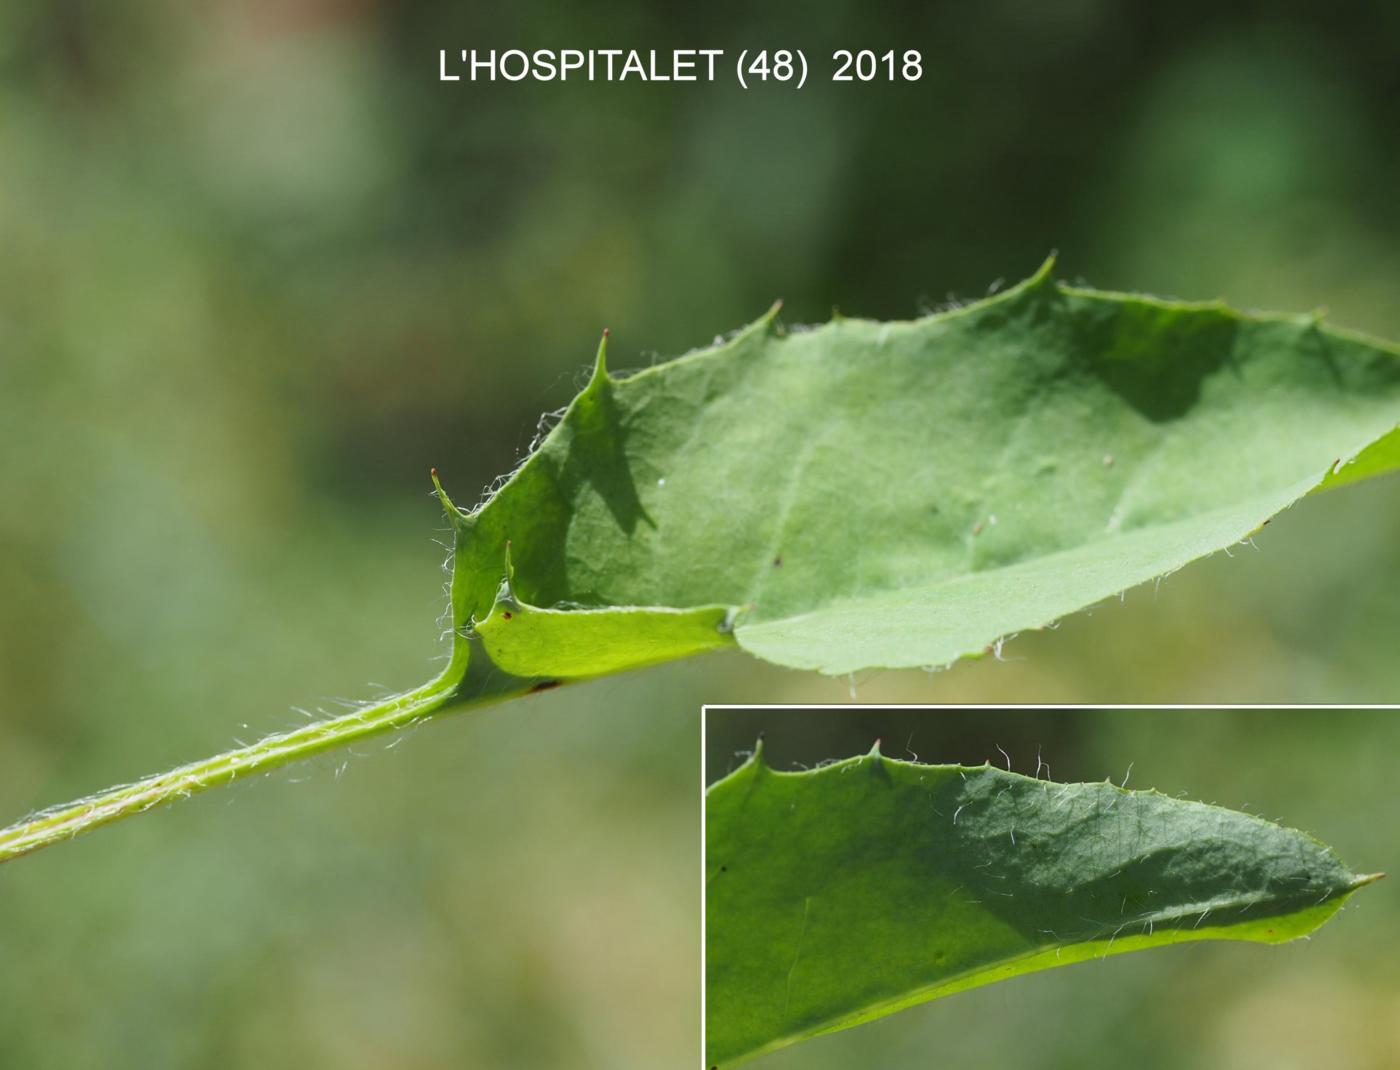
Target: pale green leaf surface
{"x": 588, "y": 642}
{"x": 842, "y": 894}
{"x": 903, "y": 494}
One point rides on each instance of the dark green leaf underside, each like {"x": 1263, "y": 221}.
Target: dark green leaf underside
{"x": 843, "y": 894}
{"x": 903, "y": 494}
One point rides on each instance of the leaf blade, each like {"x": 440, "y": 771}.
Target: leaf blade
{"x": 904, "y": 494}
{"x": 845, "y": 893}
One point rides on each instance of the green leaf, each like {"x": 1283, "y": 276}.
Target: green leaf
{"x": 864, "y": 494}
{"x": 904, "y": 494}
{"x": 846, "y": 893}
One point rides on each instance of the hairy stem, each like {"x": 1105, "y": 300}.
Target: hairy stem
{"x": 398, "y": 711}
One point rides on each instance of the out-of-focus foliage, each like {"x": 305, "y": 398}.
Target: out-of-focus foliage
{"x": 259, "y": 270}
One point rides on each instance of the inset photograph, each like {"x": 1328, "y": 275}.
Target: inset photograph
{"x": 889, "y": 886}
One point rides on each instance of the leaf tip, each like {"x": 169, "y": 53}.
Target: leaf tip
{"x": 452, "y": 511}
{"x": 1361, "y": 880}
{"x": 505, "y": 593}
{"x": 1044, "y": 275}
{"x": 758, "y": 759}
{"x": 600, "y": 362}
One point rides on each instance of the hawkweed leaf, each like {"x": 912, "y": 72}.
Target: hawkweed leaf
{"x": 904, "y": 494}
{"x": 846, "y": 893}
{"x": 863, "y": 495}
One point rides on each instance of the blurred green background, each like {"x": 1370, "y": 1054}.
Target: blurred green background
{"x": 259, "y": 270}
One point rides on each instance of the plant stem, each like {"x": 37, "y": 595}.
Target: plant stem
{"x": 398, "y": 711}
